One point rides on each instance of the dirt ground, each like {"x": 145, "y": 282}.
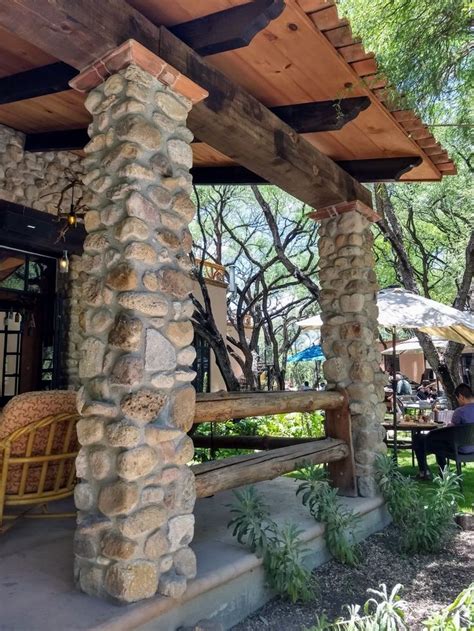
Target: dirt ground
{"x": 430, "y": 582}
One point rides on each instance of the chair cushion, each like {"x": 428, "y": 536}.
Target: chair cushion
{"x": 25, "y": 409}
{"x": 34, "y": 406}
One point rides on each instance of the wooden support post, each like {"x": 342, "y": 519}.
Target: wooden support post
{"x": 230, "y": 473}
{"x": 338, "y": 426}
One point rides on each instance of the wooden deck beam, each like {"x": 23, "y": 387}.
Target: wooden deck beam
{"x": 230, "y": 119}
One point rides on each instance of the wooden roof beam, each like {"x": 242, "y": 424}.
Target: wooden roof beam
{"x": 303, "y": 118}
{"x": 230, "y": 119}
{"x": 229, "y": 29}
{"x": 322, "y": 115}
{"x": 215, "y": 33}
{"x": 377, "y": 170}
{"x": 64, "y": 140}
{"x": 36, "y": 82}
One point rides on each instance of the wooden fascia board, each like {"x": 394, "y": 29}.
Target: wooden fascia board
{"x": 78, "y": 33}
{"x": 340, "y": 61}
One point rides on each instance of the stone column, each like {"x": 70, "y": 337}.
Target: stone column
{"x": 349, "y": 332}
{"x": 136, "y": 495}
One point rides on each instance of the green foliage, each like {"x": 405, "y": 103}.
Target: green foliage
{"x": 295, "y": 425}
{"x": 280, "y": 548}
{"x": 458, "y": 616}
{"x": 384, "y": 611}
{"x": 324, "y": 506}
{"x": 421, "y": 45}
{"x": 424, "y": 522}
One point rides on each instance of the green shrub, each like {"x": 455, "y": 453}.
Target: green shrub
{"x": 280, "y": 549}
{"x": 383, "y": 612}
{"x": 424, "y": 522}
{"x": 323, "y": 504}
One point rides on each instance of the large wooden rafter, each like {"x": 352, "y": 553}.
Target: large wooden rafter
{"x": 230, "y": 119}
{"x": 303, "y": 118}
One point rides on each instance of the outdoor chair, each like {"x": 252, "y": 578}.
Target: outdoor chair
{"x": 447, "y": 441}
{"x": 38, "y": 447}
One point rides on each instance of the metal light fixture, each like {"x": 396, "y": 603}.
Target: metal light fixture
{"x": 64, "y": 263}
{"x": 72, "y": 217}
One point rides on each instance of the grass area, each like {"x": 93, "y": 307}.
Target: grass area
{"x": 404, "y": 461}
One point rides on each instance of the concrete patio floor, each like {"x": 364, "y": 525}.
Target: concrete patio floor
{"x": 37, "y": 591}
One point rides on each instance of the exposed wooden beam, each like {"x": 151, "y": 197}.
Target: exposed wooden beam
{"x": 214, "y": 33}
{"x": 27, "y": 228}
{"x": 230, "y": 119}
{"x": 380, "y": 169}
{"x": 225, "y": 175}
{"x": 302, "y": 117}
{"x": 323, "y": 115}
{"x": 229, "y": 29}
{"x": 37, "y": 82}
{"x": 64, "y": 140}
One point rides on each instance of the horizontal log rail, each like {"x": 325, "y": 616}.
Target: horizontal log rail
{"x": 220, "y": 475}
{"x": 223, "y": 406}
{"x": 248, "y": 442}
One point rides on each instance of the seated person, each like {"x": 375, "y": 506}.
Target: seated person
{"x": 403, "y": 385}
{"x": 423, "y": 392}
{"x": 462, "y": 415}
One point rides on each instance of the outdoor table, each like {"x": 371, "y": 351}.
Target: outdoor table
{"x": 414, "y": 427}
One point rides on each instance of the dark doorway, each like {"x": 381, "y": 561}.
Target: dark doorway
{"x": 28, "y": 323}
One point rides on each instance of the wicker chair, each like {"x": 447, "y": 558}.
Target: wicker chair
{"x": 448, "y": 440}
{"x": 38, "y": 447}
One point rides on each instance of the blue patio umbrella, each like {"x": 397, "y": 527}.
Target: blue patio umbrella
{"x": 312, "y": 353}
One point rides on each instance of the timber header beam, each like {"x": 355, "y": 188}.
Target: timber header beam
{"x": 230, "y": 119}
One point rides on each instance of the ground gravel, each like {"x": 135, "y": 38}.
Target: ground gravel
{"x": 430, "y": 582}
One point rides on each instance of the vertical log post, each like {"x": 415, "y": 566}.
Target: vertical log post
{"x": 342, "y": 472}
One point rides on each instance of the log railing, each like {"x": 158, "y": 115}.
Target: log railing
{"x": 286, "y": 454}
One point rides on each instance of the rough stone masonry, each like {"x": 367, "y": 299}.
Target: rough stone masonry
{"x": 349, "y": 313}
{"x": 136, "y": 494}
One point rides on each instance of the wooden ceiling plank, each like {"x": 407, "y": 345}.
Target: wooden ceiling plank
{"x": 354, "y": 52}
{"x": 228, "y": 29}
{"x": 36, "y": 82}
{"x": 327, "y": 19}
{"x": 341, "y": 36}
{"x": 230, "y": 119}
{"x": 310, "y": 6}
{"x": 365, "y": 67}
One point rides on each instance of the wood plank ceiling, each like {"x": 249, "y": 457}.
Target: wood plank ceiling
{"x": 307, "y": 54}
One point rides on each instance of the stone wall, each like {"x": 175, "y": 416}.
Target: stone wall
{"x": 35, "y": 179}
{"x": 136, "y": 494}
{"x": 349, "y": 333}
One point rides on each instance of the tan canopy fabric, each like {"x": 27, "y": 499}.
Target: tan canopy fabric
{"x": 402, "y": 309}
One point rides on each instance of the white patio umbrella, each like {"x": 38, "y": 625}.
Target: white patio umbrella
{"x": 413, "y": 346}
{"x": 399, "y": 308}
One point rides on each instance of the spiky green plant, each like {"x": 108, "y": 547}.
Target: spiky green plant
{"x": 280, "y": 548}
{"x": 323, "y": 504}
{"x": 424, "y": 522}
{"x": 458, "y": 616}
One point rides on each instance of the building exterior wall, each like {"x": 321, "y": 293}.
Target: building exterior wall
{"x": 35, "y": 179}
